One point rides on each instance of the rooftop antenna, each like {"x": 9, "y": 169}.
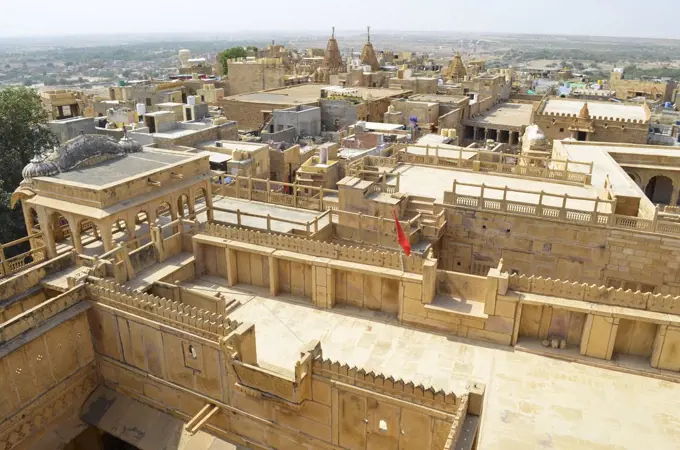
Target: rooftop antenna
{"x": 368, "y": 28}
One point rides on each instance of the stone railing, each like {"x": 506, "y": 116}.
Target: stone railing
{"x": 595, "y": 294}
{"x": 193, "y": 320}
{"x": 492, "y": 162}
{"x": 544, "y": 205}
{"x": 387, "y": 259}
{"x": 24, "y": 260}
{"x": 378, "y": 382}
{"x": 39, "y": 314}
{"x": 275, "y": 192}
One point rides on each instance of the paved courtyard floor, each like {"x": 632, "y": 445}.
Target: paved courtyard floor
{"x": 532, "y": 402}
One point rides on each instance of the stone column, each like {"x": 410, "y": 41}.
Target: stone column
{"x": 273, "y": 275}
{"x": 107, "y": 236}
{"x": 599, "y": 335}
{"x": 232, "y": 272}
{"x": 75, "y": 236}
{"x": 48, "y": 233}
{"x": 674, "y": 197}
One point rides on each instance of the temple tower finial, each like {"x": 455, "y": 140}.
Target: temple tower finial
{"x": 368, "y": 28}
{"x": 333, "y": 32}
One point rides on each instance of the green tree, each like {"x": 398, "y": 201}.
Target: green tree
{"x": 226, "y": 55}
{"x": 23, "y": 135}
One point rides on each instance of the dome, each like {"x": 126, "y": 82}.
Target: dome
{"x": 535, "y": 135}
{"x": 129, "y": 145}
{"x": 39, "y": 168}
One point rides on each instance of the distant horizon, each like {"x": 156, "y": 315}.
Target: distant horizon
{"x": 600, "y": 18}
{"x": 316, "y": 33}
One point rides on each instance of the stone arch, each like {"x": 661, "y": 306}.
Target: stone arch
{"x": 120, "y": 231}
{"x": 61, "y": 230}
{"x": 142, "y": 227}
{"x": 636, "y": 178}
{"x": 89, "y": 231}
{"x": 660, "y": 190}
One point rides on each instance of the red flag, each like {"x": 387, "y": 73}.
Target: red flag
{"x": 401, "y": 237}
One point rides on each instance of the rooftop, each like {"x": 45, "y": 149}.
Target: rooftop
{"x": 438, "y": 98}
{"x": 114, "y": 170}
{"x": 596, "y": 109}
{"x": 506, "y": 114}
{"x": 533, "y": 401}
{"x": 307, "y": 94}
{"x": 432, "y": 182}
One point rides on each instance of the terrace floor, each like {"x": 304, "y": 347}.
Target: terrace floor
{"x": 532, "y": 402}
{"x": 262, "y": 209}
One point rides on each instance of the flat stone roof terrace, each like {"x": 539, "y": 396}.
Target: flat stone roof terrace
{"x": 432, "y": 182}
{"x": 604, "y": 109}
{"x": 513, "y": 115}
{"x": 532, "y": 402}
{"x": 117, "y": 169}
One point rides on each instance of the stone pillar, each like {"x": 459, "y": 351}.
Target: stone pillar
{"x": 273, "y": 275}
{"x": 599, "y": 335}
{"x": 48, "y": 233}
{"x": 232, "y": 272}
{"x": 664, "y": 355}
{"x": 486, "y": 134}
{"x": 75, "y": 237}
{"x": 674, "y": 197}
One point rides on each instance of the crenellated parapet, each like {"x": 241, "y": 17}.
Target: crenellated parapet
{"x": 388, "y": 385}
{"x": 390, "y": 260}
{"x": 40, "y": 313}
{"x": 191, "y": 319}
{"x": 595, "y": 293}
{"x": 616, "y": 120}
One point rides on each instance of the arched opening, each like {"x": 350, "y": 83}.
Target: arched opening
{"x": 61, "y": 232}
{"x": 164, "y": 216}
{"x": 90, "y": 237}
{"x": 142, "y": 230}
{"x": 660, "y": 190}
{"x": 183, "y": 209}
{"x": 119, "y": 232}
{"x": 200, "y": 201}
{"x": 636, "y": 178}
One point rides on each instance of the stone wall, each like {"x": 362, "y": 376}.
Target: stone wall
{"x": 320, "y": 404}
{"x": 557, "y": 249}
{"x": 252, "y": 77}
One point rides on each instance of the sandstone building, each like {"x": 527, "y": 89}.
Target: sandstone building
{"x": 162, "y": 304}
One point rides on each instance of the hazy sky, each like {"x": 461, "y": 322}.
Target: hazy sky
{"x": 589, "y": 17}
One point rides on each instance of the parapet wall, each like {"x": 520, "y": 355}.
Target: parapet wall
{"x": 600, "y": 118}
{"x": 390, "y": 260}
{"x": 398, "y": 388}
{"x": 595, "y": 294}
{"x": 191, "y": 319}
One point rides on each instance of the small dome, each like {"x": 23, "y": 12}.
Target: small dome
{"x": 39, "y": 168}
{"x": 129, "y": 145}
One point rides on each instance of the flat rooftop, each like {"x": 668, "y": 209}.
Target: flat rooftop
{"x": 596, "y": 109}
{"x": 262, "y": 209}
{"x": 437, "y": 98}
{"x": 130, "y": 165}
{"x": 604, "y": 165}
{"x": 532, "y": 402}
{"x": 308, "y": 94}
{"x": 432, "y": 182}
{"x": 507, "y": 114}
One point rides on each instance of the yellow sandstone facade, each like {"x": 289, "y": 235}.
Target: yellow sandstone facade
{"x": 166, "y": 305}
